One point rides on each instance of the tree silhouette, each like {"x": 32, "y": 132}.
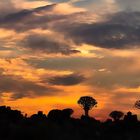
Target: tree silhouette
{"x": 59, "y": 125}
{"x": 87, "y": 103}
{"x": 137, "y": 104}
{"x": 116, "y": 115}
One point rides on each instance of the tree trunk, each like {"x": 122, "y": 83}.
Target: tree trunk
{"x": 86, "y": 112}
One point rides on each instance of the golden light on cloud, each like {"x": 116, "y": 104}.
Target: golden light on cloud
{"x": 6, "y": 33}
{"x": 23, "y": 4}
{"x": 65, "y": 8}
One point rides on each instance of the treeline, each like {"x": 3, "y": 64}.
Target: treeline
{"x": 59, "y": 125}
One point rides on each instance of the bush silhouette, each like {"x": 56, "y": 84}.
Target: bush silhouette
{"x": 55, "y": 115}
{"x": 116, "y": 115}
{"x": 59, "y": 125}
{"x": 130, "y": 118}
{"x": 66, "y": 113}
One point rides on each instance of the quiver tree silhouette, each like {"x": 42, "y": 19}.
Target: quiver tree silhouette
{"x": 137, "y": 104}
{"x": 87, "y": 103}
{"x": 116, "y": 115}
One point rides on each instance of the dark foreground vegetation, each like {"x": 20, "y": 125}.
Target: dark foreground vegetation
{"x": 59, "y": 125}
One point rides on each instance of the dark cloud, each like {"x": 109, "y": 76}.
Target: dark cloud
{"x": 129, "y": 5}
{"x": 36, "y": 0}
{"x": 30, "y": 19}
{"x": 7, "y": 7}
{"x": 81, "y": 63}
{"x": 117, "y": 32}
{"x": 109, "y": 80}
{"x": 117, "y": 71}
{"x": 67, "y": 80}
{"x": 69, "y": 64}
{"x": 87, "y": 3}
{"x": 124, "y": 18}
{"x": 20, "y": 88}
{"x": 43, "y": 43}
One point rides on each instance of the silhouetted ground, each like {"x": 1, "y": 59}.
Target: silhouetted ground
{"x": 58, "y": 125}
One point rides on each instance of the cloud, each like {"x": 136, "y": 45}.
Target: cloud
{"x": 67, "y": 80}
{"x": 118, "y": 72}
{"x": 7, "y": 7}
{"x": 98, "y": 6}
{"x": 59, "y": 1}
{"x": 109, "y": 72}
{"x": 46, "y": 44}
{"x": 116, "y": 79}
{"x": 19, "y": 80}
{"x": 39, "y": 17}
{"x": 20, "y": 88}
{"x": 117, "y": 31}
{"x": 29, "y": 19}
{"x": 29, "y": 4}
{"x": 41, "y": 35}
{"x": 129, "y": 4}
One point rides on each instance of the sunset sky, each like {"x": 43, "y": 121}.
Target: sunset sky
{"x": 54, "y": 51}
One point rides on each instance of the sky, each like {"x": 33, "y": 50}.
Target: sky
{"x": 52, "y": 52}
